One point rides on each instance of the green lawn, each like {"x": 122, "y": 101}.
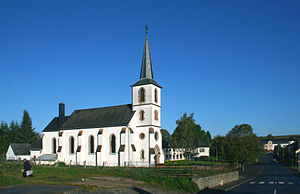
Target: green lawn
{"x": 166, "y": 177}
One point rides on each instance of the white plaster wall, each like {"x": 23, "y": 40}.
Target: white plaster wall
{"x": 35, "y": 154}
{"x": 149, "y": 94}
{"x": 149, "y": 106}
{"x": 10, "y": 155}
{"x": 84, "y": 154}
{"x": 47, "y": 142}
{"x": 65, "y": 155}
{"x": 110, "y": 159}
{"x": 205, "y": 153}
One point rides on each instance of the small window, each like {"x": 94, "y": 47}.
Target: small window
{"x": 113, "y": 144}
{"x": 142, "y": 155}
{"x": 156, "y": 136}
{"x": 91, "y": 145}
{"x": 202, "y": 150}
{"x": 156, "y": 115}
{"x": 142, "y": 95}
{"x": 142, "y": 115}
{"x": 72, "y": 145}
{"x": 155, "y": 95}
{"x": 142, "y": 136}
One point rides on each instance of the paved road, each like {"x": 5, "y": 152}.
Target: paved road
{"x": 275, "y": 179}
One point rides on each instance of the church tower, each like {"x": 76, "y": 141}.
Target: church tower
{"x": 146, "y": 93}
{"x": 146, "y": 102}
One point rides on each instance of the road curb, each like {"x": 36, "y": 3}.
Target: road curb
{"x": 247, "y": 180}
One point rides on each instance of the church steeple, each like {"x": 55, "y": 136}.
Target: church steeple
{"x": 146, "y": 71}
{"x": 146, "y": 76}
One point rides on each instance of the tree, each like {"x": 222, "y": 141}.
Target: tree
{"x": 270, "y": 136}
{"x": 217, "y": 147}
{"x": 183, "y": 134}
{"x": 188, "y": 133}
{"x": 14, "y": 128}
{"x": 25, "y": 133}
{"x": 165, "y": 137}
{"x": 242, "y": 145}
{"x": 4, "y": 140}
{"x": 208, "y": 136}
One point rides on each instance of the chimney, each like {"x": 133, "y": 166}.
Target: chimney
{"x": 61, "y": 114}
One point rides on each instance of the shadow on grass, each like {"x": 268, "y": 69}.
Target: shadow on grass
{"x": 141, "y": 191}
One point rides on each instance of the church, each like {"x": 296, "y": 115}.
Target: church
{"x": 125, "y": 135}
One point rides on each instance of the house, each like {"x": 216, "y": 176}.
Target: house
{"x": 18, "y": 151}
{"x": 35, "y": 150}
{"x": 271, "y": 142}
{"x": 114, "y": 136}
{"x": 181, "y": 153}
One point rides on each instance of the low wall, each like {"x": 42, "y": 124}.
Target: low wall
{"x": 216, "y": 180}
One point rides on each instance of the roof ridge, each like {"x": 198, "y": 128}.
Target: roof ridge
{"x": 103, "y": 107}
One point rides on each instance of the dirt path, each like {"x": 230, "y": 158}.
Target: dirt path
{"x": 106, "y": 184}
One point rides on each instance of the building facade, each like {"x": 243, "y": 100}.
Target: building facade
{"x": 113, "y": 136}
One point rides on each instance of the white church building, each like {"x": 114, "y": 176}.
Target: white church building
{"x": 112, "y": 136}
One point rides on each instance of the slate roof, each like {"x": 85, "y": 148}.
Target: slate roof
{"x": 37, "y": 145}
{"x": 145, "y": 81}
{"x": 53, "y": 125}
{"x": 21, "y": 148}
{"x": 94, "y": 118}
{"x": 200, "y": 143}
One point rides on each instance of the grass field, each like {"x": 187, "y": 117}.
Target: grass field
{"x": 166, "y": 177}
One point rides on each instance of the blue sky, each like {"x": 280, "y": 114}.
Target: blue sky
{"x": 228, "y": 62}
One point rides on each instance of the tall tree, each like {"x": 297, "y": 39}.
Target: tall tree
{"x": 188, "y": 133}
{"x": 4, "y": 137}
{"x": 183, "y": 134}
{"x": 14, "y": 128}
{"x": 242, "y": 145}
{"x": 217, "y": 147}
{"x": 26, "y": 133}
{"x": 165, "y": 137}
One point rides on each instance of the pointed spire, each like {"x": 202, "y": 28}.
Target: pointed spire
{"x": 146, "y": 76}
{"x": 146, "y": 71}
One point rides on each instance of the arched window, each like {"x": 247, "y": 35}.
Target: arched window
{"x": 54, "y": 146}
{"x": 142, "y": 95}
{"x": 72, "y": 145}
{"x": 113, "y": 144}
{"x": 142, "y": 155}
{"x": 142, "y": 115}
{"x": 155, "y": 95}
{"x": 156, "y": 115}
{"x": 91, "y": 145}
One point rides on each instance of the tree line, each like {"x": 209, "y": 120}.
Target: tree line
{"x": 287, "y": 154}
{"x": 240, "y": 145}
{"x": 17, "y": 133}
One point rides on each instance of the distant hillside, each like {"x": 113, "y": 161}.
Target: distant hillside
{"x": 279, "y": 137}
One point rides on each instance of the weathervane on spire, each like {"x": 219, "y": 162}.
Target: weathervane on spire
{"x": 146, "y": 29}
